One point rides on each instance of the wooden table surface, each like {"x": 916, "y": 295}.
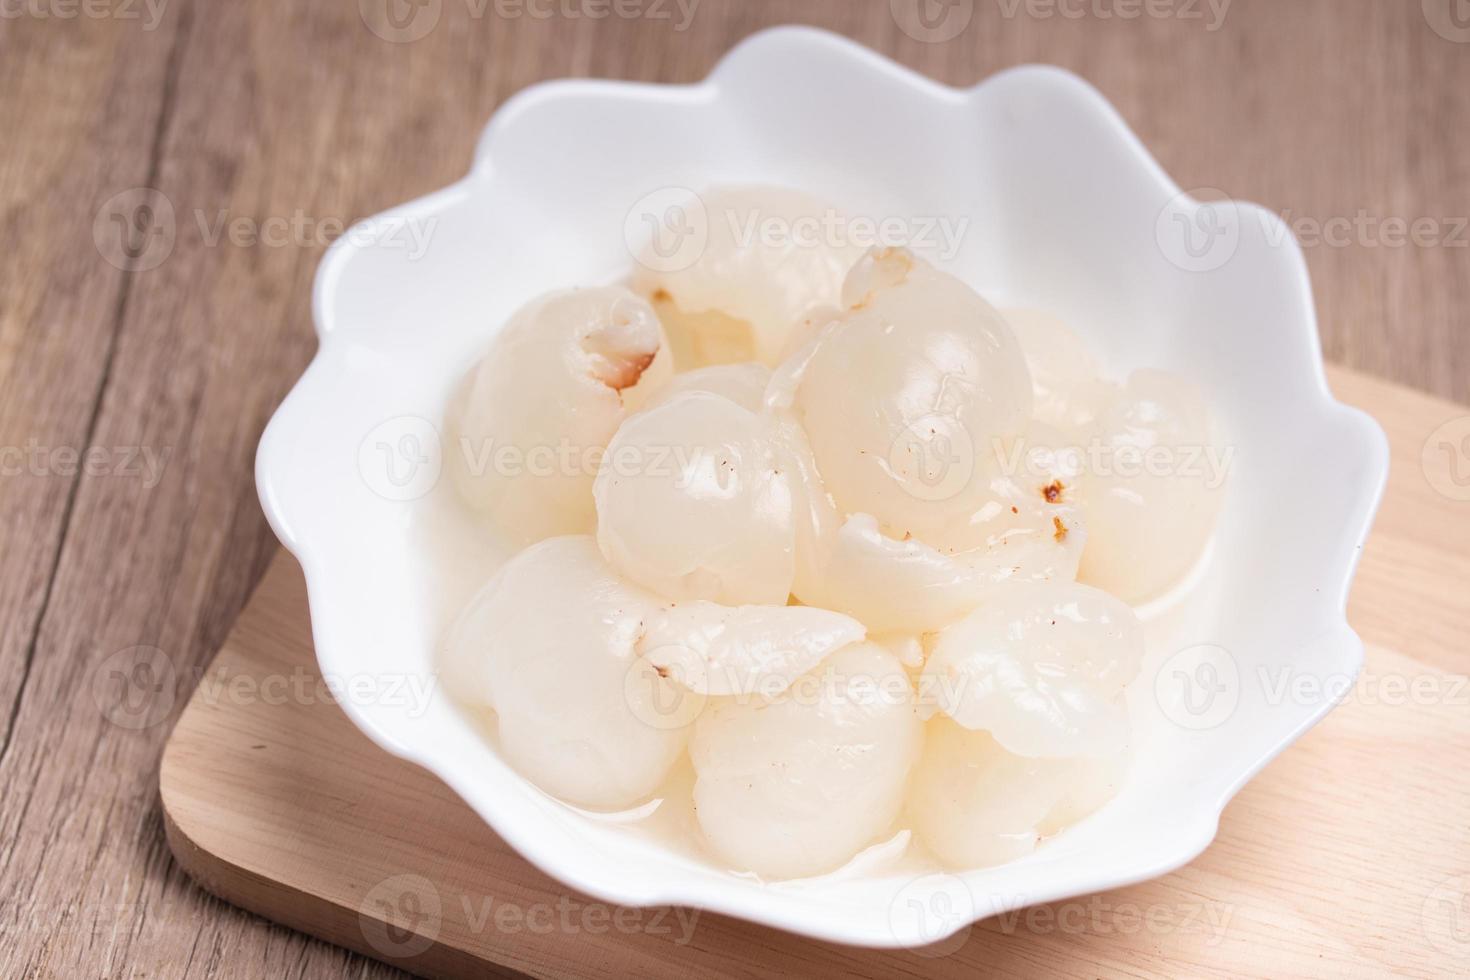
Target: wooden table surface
{"x": 146, "y": 335}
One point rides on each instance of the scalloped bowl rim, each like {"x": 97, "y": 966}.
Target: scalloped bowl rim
{"x": 1198, "y": 829}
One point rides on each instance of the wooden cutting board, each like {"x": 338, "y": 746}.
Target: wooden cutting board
{"x": 1349, "y": 854}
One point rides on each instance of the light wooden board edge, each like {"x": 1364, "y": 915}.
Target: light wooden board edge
{"x": 314, "y": 915}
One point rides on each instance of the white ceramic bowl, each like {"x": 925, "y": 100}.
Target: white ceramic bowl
{"x": 1065, "y": 210}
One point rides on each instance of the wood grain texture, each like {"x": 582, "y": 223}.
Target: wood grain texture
{"x": 267, "y": 112}
{"x": 280, "y": 805}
